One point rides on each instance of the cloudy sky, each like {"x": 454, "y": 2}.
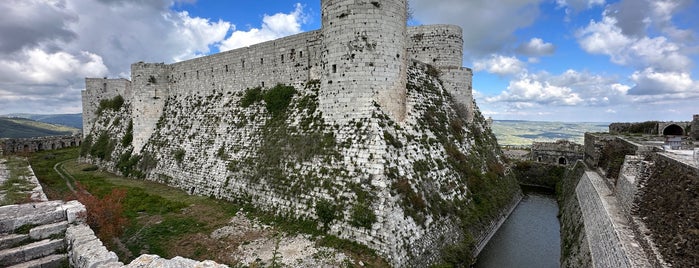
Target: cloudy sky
{"x": 553, "y": 60}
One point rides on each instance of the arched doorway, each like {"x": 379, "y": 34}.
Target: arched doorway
{"x": 673, "y": 130}
{"x": 562, "y": 161}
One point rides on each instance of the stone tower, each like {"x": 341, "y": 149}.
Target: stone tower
{"x": 364, "y": 58}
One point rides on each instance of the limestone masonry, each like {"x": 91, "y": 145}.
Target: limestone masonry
{"x": 366, "y": 126}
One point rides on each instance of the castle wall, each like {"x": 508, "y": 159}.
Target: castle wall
{"x": 150, "y": 90}
{"x": 439, "y": 45}
{"x": 289, "y": 60}
{"x": 364, "y": 59}
{"x": 442, "y": 47}
{"x": 98, "y": 89}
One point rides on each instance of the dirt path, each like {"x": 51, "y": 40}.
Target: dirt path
{"x": 58, "y": 167}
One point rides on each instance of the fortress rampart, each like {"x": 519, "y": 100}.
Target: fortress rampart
{"x": 379, "y": 122}
{"x": 360, "y": 57}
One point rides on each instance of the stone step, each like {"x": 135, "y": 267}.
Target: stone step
{"x": 30, "y": 251}
{"x": 13, "y": 217}
{"x": 12, "y": 240}
{"x": 46, "y": 231}
{"x": 50, "y": 261}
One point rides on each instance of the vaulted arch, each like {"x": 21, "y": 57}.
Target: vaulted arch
{"x": 673, "y": 130}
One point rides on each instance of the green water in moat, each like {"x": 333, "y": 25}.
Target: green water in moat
{"x": 530, "y": 237}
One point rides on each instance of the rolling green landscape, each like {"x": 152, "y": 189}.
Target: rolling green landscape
{"x": 13, "y": 127}
{"x": 517, "y": 132}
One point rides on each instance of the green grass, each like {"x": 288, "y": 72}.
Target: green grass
{"x": 162, "y": 218}
{"x": 16, "y": 188}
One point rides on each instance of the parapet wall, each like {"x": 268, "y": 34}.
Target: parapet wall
{"x": 29, "y": 145}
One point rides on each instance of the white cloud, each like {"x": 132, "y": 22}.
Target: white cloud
{"x": 500, "y": 65}
{"x": 273, "y": 27}
{"x": 55, "y": 44}
{"x": 536, "y": 47}
{"x": 526, "y": 91}
{"x": 651, "y": 82}
{"x": 489, "y": 25}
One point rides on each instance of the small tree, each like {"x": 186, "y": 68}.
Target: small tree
{"x": 106, "y": 215}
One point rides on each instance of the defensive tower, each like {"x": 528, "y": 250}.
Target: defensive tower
{"x": 364, "y": 58}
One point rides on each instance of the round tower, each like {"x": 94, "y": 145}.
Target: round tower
{"x": 364, "y": 58}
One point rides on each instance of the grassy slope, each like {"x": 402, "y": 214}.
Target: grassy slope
{"x": 25, "y": 128}
{"x": 71, "y": 120}
{"x": 168, "y": 222}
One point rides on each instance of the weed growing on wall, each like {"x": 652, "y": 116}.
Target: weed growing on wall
{"x": 113, "y": 104}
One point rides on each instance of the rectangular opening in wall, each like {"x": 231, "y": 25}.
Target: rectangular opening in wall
{"x": 334, "y": 68}
{"x": 226, "y": 68}
{"x": 242, "y": 62}
{"x": 263, "y": 84}
{"x": 262, "y": 61}
{"x": 282, "y": 58}
{"x": 300, "y": 54}
{"x": 197, "y": 74}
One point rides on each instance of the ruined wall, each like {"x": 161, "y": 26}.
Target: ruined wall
{"x": 28, "y": 145}
{"x": 561, "y": 152}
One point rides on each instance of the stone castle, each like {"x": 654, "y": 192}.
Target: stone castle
{"x": 379, "y": 140}
{"x": 360, "y": 56}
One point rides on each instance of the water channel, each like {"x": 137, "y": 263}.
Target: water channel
{"x": 530, "y": 237}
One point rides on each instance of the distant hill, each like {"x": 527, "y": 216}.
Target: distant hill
{"x": 520, "y": 132}
{"x": 71, "y": 120}
{"x": 26, "y": 128}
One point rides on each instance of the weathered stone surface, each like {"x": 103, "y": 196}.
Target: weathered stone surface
{"x": 30, "y": 251}
{"x": 10, "y": 240}
{"x": 45, "y": 231}
{"x": 15, "y": 216}
{"x": 153, "y": 261}
{"x": 51, "y": 261}
{"x": 28, "y": 145}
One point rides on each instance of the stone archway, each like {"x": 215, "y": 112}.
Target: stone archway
{"x": 562, "y": 161}
{"x": 673, "y": 130}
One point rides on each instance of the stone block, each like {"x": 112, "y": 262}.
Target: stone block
{"x": 45, "y": 231}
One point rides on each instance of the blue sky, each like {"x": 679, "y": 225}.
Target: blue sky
{"x": 552, "y": 60}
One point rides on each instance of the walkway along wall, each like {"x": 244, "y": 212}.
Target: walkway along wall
{"x": 644, "y": 217}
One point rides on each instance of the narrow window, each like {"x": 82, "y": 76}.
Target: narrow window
{"x": 226, "y": 67}
{"x": 262, "y": 61}
{"x": 197, "y": 74}
{"x": 243, "y": 63}
{"x": 263, "y": 84}
{"x": 282, "y": 58}
{"x": 334, "y": 68}
{"x": 300, "y": 54}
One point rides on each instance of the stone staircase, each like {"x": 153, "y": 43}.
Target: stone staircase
{"x": 33, "y": 234}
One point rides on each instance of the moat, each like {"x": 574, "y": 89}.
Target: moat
{"x": 530, "y": 237}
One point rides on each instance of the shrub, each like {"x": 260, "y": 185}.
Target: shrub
{"x": 113, "y": 104}
{"x": 278, "y": 98}
{"x": 252, "y": 95}
{"x": 179, "y": 155}
{"x": 128, "y": 137}
{"x": 326, "y": 211}
{"x": 362, "y": 216}
{"x": 104, "y": 215}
